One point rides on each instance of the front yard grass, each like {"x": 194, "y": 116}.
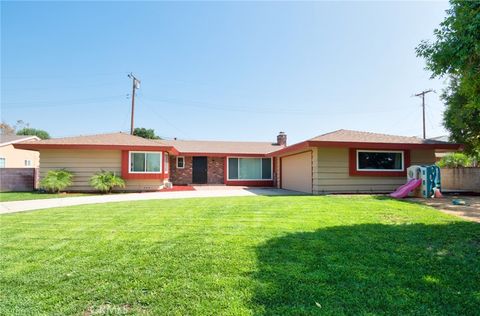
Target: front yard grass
{"x": 302, "y": 255}
{"x": 34, "y": 195}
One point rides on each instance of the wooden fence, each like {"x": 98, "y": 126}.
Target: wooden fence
{"x": 461, "y": 179}
{"x": 18, "y": 179}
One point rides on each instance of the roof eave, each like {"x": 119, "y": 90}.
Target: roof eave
{"x": 371, "y": 145}
{"x": 363, "y": 145}
{"x": 31, "y": 146}
{"x": 26, "y": 138}
{"x": 224, "y": 154}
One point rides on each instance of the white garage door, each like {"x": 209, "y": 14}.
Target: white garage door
{"x": 297, "y": 172}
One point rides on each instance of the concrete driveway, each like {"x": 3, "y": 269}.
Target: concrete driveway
{"x": 200, "y": 191}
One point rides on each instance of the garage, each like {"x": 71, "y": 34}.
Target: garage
{"x": 296, "y": 173}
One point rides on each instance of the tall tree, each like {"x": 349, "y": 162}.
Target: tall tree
{"x": 7, "y": 129}
{"x": 455, "y": 53}
{"x": 34, "y": 132}
{"x": 145, "y": 133}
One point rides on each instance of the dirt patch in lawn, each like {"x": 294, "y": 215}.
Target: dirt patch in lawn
{"x": 470, "y": 211}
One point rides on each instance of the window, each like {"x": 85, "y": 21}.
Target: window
{"x": 370, "y": 160}
{"x": 249, "y": 169}
{"x": 2, "y": 162}
{"x": 145, "y": 162}
{"x": 180, "y": 162}
{"x": 28, "y": 163}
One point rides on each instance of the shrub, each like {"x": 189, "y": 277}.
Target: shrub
{"x": 455, "y": 160}
{"x": 56, "y": 180}
{"x": 105, "y": 181}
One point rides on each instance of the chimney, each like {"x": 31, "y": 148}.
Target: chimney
{"x": 282, "y": 139}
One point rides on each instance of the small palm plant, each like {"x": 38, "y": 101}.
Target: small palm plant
{"x": 56, "y": 180}
{"x": 105, "y": 181}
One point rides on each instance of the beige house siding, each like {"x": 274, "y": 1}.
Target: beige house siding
{"x": 332, "y": 173}
{"x": 15, "y": 158}
{"x": 85, "y": 163}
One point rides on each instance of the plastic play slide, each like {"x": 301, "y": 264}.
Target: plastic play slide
{"x": 408, "y": 187}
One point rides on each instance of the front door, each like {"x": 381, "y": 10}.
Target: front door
{"x": 199, "y": 175}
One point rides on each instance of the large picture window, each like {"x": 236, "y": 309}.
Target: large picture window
{"x": 370, "y": 160}
{"x": 145, "y": 162}
{"x": 249, "y": 168}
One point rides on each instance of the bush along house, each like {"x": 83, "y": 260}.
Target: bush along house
{"x": 338, "y": 162}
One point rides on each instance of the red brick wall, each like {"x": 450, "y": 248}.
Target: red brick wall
{"x": 215, "y": 170}
{"x": 184, "y": 176}
{"x": 180, "y": 176}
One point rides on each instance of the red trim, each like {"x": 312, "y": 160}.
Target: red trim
{"x": 251, "y": 183}
{"x": 302, "y": 152}
{"x": 274, "y": 171}
{"x": 383, "y": 145}
{"x": 281, "y": 175}
{"x": 225, "y": 176}
{"x": 169, "y": 149}
{"x": 188, "y": 154}
{"x": 311, "y": 143}
{"x": 291, "y": 148}
{"x": 127, "y": 175}
{"x": 352, "y": 165}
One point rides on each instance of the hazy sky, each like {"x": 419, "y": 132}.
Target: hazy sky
{"x": 226, "y": 71}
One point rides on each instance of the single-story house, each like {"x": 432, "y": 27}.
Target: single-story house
{"x": 11, "y": 157}
{"x": 338, "y": 162}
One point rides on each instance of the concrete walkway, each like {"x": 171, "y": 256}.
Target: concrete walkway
{"x": 207, "y": 191}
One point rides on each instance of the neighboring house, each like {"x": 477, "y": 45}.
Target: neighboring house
{"x": 11, "y": 157}
{"x": 341, "y": 161}
{"x": 440, "y": 153}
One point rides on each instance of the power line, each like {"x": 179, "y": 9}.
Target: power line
{"x": 422, "y": 94}
{"x": 23, "y": 89}
{"x": 70, "y": 75}
{"x": 72, "y": 102}
{"x": 205, "y": 105}
{"x": 135, "y": 86}
{"x": 166, "y": 120}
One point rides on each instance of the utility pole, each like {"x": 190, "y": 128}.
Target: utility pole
{"x": 422, "y": 94}
{"x": 135, "y": 86}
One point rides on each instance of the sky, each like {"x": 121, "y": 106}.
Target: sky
{"x": 219, "y": 70}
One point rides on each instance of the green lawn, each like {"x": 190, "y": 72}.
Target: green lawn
{"x": 328, "y": 255}
{"x": 22, "y": 196}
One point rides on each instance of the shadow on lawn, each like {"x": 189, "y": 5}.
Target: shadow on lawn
{"x": 372, "y": 268}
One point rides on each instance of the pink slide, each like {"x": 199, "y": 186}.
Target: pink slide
{"x": 408, "y": 187}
